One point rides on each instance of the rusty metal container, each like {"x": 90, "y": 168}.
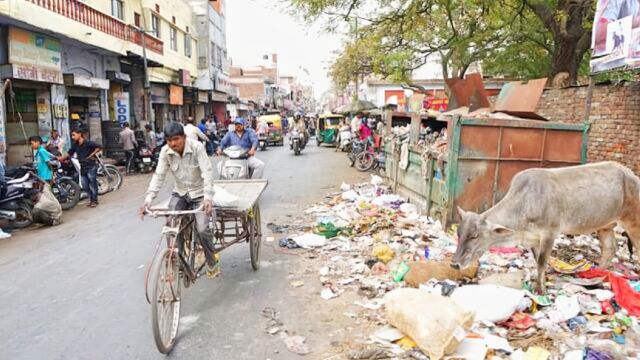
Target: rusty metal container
{"x": 483, "y": 156}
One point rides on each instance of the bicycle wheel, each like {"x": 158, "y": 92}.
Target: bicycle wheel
{"x": 114, "y": 176}
{"x": 365, "y": 161}
{"x": 165, "y": 300}
{"x": 255, "y": 237}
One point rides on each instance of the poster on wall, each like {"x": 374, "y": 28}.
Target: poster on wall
{"x": 121, "y": 101}
{"x": 61, "y": 113}
{"x": 175, "y": 95}
{"x": 35, "y": 56}
{"x": 43, "y": 104}
{"x": 95, "y": 126}
{"x": 616, "y": 36}
{"x": 3, "y": 140}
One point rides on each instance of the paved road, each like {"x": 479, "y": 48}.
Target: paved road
{"x": 76, "y": 291}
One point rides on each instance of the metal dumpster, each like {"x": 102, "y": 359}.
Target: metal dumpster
{"x": 483, "y": 156}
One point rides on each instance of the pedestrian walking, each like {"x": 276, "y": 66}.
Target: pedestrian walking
{"x": 150, "y": 138}
{"x": 86, "y": 151}
{"x": 129, "y": 144}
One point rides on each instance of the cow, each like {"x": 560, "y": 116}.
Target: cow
{"x": 542, "y": 204}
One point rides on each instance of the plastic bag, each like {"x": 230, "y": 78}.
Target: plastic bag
{"x": 434, "y": 322}
{"x": 489, "y": 302}
{"x": 49, "y": 204}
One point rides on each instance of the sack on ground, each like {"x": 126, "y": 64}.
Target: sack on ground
{"x": 434, "y": 322}
{"x": 49, "y": 204}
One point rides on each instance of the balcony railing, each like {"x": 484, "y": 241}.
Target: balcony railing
{"x": 87, "y": 15}
{"x": 151, "y": 42}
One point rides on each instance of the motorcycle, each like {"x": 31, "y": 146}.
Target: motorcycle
{"x": 72, "y": 168}
{"x": 296, "y": 141}
{"x": 143, "y": 160}
{"x": 357, "y": 147}
{"x": 235, "y": 165}
{"x": 262, "y": 141}
{"x": 16, "y": 205}
{"x": 64, "y": 188}
{"x": 343, "y": 141}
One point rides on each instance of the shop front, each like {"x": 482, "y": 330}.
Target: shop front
{"x": 219, "y": 105}
{"x": 33, "y": 63}
{"x": 87, "y": 98}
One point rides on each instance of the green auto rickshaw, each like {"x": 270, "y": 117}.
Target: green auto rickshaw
{"x": 327, "y": 128}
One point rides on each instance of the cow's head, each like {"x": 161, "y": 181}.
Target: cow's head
{"x": 475, "y": 236}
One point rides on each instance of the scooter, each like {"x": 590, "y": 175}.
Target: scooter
{"x": 344, "y": 139}
{"x": 296, "y": 141}
{"x": 262, "y": 141}
{"x": 235, "y": 166}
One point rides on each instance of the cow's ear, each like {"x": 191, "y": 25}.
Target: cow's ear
{"x": 500, "y": 230}
{"x": 461, "y": 212}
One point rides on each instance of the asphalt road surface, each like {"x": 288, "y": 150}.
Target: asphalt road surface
{"x": 76, "y": 291}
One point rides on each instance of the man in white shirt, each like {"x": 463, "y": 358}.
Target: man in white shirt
{"x": 192, "y": 132}
{"x": 187, "y": 161}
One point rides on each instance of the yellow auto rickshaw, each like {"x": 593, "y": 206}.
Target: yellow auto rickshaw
{"x": 328, "y": 127}
{"x": 274, "y": 121}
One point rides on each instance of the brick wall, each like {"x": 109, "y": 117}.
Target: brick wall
{"x": 615, "y": 119}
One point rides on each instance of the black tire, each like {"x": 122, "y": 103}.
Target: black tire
{"x": 114, "y": 176}
{"x": 365, "y": 161}
{"x": 68, "y": 193}
{"x": 296, "y": 148}
{"x": 24, "y": 218}
{"x": 103, "y": 184}
{"x": 165, "y": 300}
{"x": 318, "y": 142}
{"x": 255, "y": 238}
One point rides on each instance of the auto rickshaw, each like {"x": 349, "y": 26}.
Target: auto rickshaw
{"x": 275, "y": 129}
{"x": 328, "y": 127}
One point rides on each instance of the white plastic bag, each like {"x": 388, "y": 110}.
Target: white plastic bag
{"x": 223, "y": 198}
{"x": 434, "y": 322}
{"x": 489, "y": 302}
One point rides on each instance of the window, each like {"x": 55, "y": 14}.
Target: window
{"x": 173, "y": 39}
{"x": 187, "y": 45}
{"x": 117, "y": 9}
{"x": 155, "y": 26}
{"x": 136, "y": 19}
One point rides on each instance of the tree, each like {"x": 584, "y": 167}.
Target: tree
{"x": 524, "y": 38}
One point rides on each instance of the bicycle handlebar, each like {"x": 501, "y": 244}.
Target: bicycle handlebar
{"x": 156, "y": 213}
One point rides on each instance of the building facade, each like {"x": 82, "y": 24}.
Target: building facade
{"x": 85, "y": 65}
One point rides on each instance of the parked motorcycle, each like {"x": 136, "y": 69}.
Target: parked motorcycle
{"x": 71, "y": 168}
{"x": 296, "y": 141}
{"x": 15, "y": 203}
{"x": 262, "y": 141}
{"x": 64, "y": 188}
{"x": 143, "y": 160}
{"x": 235, "y": 165}
{"x": 357, "y": 147}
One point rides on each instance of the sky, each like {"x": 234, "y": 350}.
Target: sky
{"x": 260, "y": 27}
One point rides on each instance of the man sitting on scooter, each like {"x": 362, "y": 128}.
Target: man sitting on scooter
{"x": 246, "y": 139}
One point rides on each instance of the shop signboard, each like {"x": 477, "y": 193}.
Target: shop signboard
{"x": 616, "y": 36}
{"x": 203, "y": 97}
{"x": 95, "y": 127}
{"x": 121, "y": 100}
{"x": 61, "y": 113}
{"x": 184, "y": 77}
{"x": 175, "y": 95}
{"x": 222, "y": 83}
{"x": 35, "y": 56}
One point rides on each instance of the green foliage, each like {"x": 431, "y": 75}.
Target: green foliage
{"x": 513, "y": 38}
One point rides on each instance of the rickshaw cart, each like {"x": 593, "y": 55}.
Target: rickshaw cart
{"x": 327, "y": 129}
{"x": 179, "y": 265}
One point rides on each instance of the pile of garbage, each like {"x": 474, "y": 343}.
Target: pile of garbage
{"x": 377, "y": 245}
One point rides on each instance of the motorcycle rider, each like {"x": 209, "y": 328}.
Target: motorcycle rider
{"x": 186, "y": 159}
{"x": 302, "y": 128}
{"x": 246, "y": 139}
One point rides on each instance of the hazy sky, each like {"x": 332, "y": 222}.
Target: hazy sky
{"x": 259, "y": 27}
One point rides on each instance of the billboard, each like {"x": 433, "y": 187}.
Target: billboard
{"x": 35, "y": 56}
{"x": 616, "y": 35}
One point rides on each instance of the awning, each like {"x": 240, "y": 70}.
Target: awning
{"x": 218, "y": 97}
{"x": 86, "y": 81}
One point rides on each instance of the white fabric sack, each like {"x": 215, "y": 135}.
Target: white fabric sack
{"x": 223, "y": 198}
